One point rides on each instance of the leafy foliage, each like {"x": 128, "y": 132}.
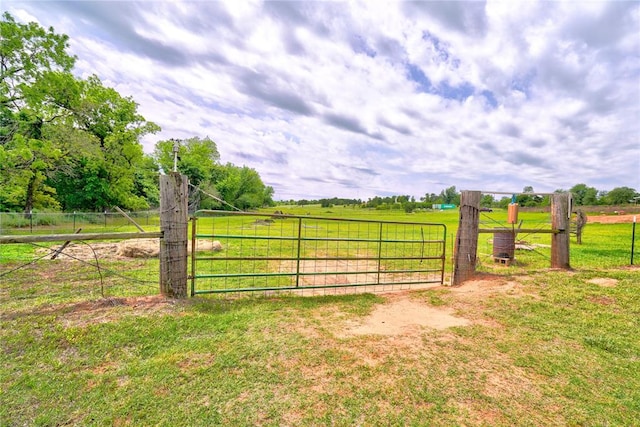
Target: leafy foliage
{"x": 584, "y": 195}
{"x": 64, "y": 142}
{"x": 242, "y": 187}
{"x": 32, "y": 60}
{"x": 106, "y": 171}
{"x": 621, "y": 195}
{"x": 198, "y": 158}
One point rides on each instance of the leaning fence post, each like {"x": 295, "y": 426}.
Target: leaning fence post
{"x": 173, "y": 245}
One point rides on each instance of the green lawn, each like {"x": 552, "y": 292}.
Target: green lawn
{"x": 540, "y": 347}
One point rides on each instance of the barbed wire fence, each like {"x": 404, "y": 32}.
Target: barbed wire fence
{"x": 68, "y": 271}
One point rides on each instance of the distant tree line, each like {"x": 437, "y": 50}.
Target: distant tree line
{"x": 325, "y": 203}
{"x": 68, "y": 143}
{"x": 582, "y": 195}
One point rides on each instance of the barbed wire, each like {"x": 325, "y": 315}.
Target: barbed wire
{"x": 100, "y": 268}
{"x": 198, "y": 189}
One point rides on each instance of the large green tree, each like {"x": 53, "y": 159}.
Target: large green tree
{"x": 64, "y": 142}
{"x": 450, "y": 196}
{"x": 528, "y": 197}
{"x": 584, "y": 195}
{"x": 104, "y": 173}
{"x": 242, "y": 187}
{"x": 34, "y": 65}
{"x": 221, "y": 185}
{"x": 146, "y": 183}
{"x": 197, "y": 157}
{"x": 621, "y": 196}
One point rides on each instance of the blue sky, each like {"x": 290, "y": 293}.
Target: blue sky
{"x": 364, "y": 98}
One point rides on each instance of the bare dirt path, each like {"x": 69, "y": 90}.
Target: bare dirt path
{"x": 400, "y": 314}
{"x": 611, "y": 219}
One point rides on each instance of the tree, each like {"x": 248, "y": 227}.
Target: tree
{"x": 583, "y": 195}
{"x": 64, "y": 142}
{"x": 197, "y": 158}
{"x": 429, "y": 198}
{"x": 105, "y": 169}
{"x": 528, "y": 197}
{"x": 242, "y": 187}
{"x": 504, "y": 202}
{"x": 34, "y": 77}
{"x": 621, "y": 196}
{"x": 147, "y": 182}
{"x": 450, "y": 196}
{"x": 28, "y": 54}
{"x": 487, "y": 200}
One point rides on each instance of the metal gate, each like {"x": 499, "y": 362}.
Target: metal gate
{"x": 243, "y": 252}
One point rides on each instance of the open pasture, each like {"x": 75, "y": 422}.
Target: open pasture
{"x": 518, "y": 345}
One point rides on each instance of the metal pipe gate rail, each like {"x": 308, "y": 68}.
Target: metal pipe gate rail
{"x": 243, "y": 252}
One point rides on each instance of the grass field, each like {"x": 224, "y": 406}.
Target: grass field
{"x": 526, "y": 346}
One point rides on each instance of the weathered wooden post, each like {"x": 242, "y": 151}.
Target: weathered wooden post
{"x": 466, "y": 244}
{"x": 173, "y": 246}
{"x": 560, "y": 215}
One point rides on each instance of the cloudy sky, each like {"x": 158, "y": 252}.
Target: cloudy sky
{"x": 364, "y": 98}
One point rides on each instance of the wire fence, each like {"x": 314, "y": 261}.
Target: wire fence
{"x": 97, "y": 269}
{"x": 69, "y": 222}
{"x": 67, "y": 271}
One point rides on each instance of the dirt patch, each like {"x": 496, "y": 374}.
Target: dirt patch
{"x": 611, "y": 219}
{"x": 135, "y": 248}
{"x": 341, "y": 267}
{"x": 604, "y": 282}
{"x": 603, "y": 300}
{"x": 101, "y": 310}
{"x": 139, "y": 248}
{"x": 488, "y": 284}
{"x": 87, "y": 251}
{"x": 401, "y": 315}
{"x": 113, "y": 309}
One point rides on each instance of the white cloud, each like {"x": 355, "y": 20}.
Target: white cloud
{"x": 361, "y": 98}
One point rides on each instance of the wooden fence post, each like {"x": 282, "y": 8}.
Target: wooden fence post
{"x": 174, "y": 225}
{"x": 466, "y": 244}
{"x": 560, "y": 216}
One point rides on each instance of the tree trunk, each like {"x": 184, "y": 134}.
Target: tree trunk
{"x": 30, "y": 196}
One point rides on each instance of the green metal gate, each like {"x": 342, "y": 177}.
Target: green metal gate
{"x": 243, "y": 252}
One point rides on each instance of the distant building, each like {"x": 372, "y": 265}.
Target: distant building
{"x": 440, "y": 206}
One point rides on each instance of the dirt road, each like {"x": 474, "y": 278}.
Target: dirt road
{"x": 612, "y": 219}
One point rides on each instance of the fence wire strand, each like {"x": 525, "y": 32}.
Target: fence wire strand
{"x": 64, "y": 273}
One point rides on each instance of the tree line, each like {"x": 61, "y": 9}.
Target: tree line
{"x": 582, "y": 195}
{"x": 68, "y": 143}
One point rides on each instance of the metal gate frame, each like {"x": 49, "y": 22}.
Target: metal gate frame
{"x": 395, "y": 252}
